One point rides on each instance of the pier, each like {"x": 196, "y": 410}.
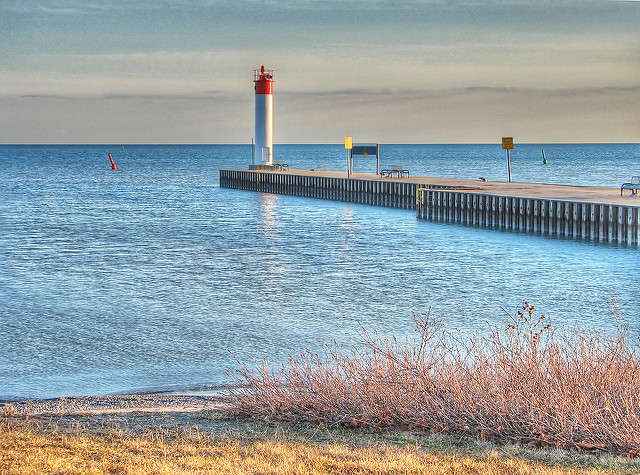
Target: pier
{"x": 584, "y": 212}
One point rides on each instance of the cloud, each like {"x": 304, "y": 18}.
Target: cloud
{"x": 80, "y": 7}
{"x": 551, "y": 91}
{"x": 463, "y": 115}
{"x": 406, "y": 67}
{"x": 45, "y": 96}
{"x": 457, "y": 115}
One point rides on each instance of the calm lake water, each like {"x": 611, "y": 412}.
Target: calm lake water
{"x": 154, "y": 277}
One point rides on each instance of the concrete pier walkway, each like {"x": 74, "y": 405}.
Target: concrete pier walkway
{"x": 589, "y": 212}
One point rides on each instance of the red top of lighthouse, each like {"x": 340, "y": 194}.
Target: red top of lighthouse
{"x": 263, "y": 79}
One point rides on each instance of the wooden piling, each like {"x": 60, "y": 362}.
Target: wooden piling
{"x": 594, "y": 221}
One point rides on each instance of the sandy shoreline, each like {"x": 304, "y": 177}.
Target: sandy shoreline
{"x": 115, "y": 404}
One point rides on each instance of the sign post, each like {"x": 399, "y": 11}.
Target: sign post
{"x": 348, "y": 145}
{"x": 507, "y": 144}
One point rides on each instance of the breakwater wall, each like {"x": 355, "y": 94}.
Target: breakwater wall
{"x": 607, "y": 222}
{"x": 395, "y": 194}
{"x": 577, "y": 219}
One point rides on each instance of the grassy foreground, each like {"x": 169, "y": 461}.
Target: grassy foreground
{"x": 28, "y": 447}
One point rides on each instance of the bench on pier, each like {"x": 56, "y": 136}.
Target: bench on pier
{"x": 394, "y": 170}
{"x": 280, "y": 165}
{"x": 634, "y": 186}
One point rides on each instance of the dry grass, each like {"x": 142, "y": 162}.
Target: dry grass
{"x": 525, "y": 384}
{"x": 29, "y": 448}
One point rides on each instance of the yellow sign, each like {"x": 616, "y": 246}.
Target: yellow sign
{"x": 348, "y": 143}
{"x": 507, "y": 143}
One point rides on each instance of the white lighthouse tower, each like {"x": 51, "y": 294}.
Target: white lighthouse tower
{"x": 263, "y": 84}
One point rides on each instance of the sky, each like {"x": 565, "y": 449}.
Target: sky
{"x": 387, "y": 71}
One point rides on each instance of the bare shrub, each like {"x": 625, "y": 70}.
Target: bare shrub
{"x": 8, "y": 410}
{"x": 526, "y": 383}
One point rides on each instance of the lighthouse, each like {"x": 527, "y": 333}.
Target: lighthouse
{"x": 263, "y": 85}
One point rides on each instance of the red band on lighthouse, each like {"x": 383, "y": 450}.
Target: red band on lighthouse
{"x": 264, "y": 87}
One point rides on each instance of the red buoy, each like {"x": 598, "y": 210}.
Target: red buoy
{"x": 113, "y": 165}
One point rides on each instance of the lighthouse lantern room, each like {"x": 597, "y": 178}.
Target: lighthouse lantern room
{"x": 263, "y": 85}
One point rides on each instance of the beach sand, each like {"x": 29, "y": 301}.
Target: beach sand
{"x": 116, "y": 404}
